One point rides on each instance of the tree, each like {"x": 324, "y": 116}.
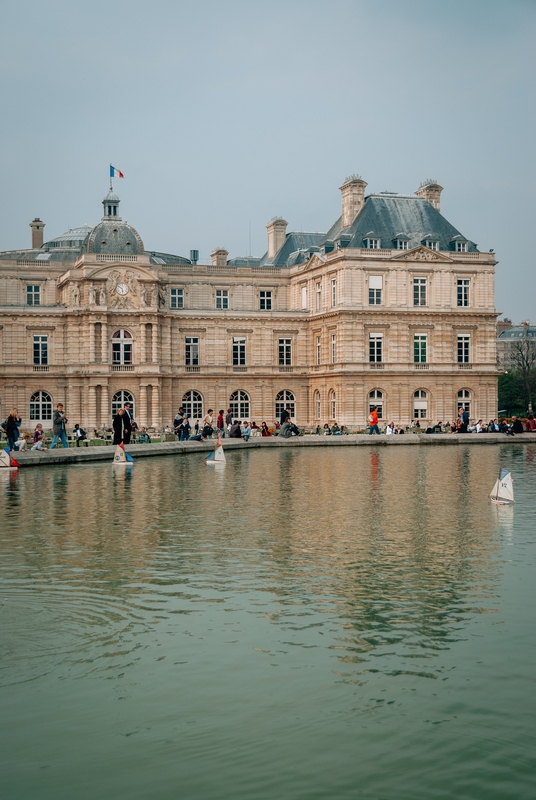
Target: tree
{"x": 522, "y": 359}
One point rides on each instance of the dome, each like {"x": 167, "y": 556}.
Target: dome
{"x": 111, "y": 197}
{"x": 115, "y": 237}
{"x": 72, "y": 238}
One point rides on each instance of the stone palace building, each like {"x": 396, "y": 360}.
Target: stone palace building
{"x": 391, "y": 307}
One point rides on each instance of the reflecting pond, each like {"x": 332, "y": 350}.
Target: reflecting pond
{"x": 301, "y": 623}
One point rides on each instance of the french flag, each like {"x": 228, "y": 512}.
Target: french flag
{"x": 115, "y": 173}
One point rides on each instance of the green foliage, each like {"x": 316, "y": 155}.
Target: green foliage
{"x": 513, "y": 394}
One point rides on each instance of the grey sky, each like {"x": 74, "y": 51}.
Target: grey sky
{"x": 225, "y": 113}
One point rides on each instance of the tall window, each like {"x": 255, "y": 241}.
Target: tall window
{"x": 119, "y": 399}
{"x": 192, "y": 351}
{"x": 462, "y": 285}
{"x": 334, "y": 292}
{"x": 318, "y": 296}
{"x": 333, "y": 404}
{"x": 40, "y": 350}
{"x": 419, "y": 291}
{"x": 376, "y": 399}
{"x": 239, "y": 351}
{"x": 285, "y": 352}
{"x": 333, "y": 348}
{"x": 464, "y": 340}
{"x": 464, "y": 400}
{"x": 222, "y": 298}
{"x": 192, "y": 404}
{"x": 375, "y": 290}
{"x": 420, "y": 404}
{"x": 33, "y": 295}
{"x": 318, "y": 349}
{"x": 304, "y": 297}
{"x": 419, "y": 348}
{"x": 316, "y": 405}
{"x": 239, "y": 404}
{"x": 375, "y": 347}
{"x": 122, "y": 347}
{"x": 265, "y": 301}
{"x": 285, "y": 399}
{"x": 40, "y": 407}
{"x": 176, "y": 298}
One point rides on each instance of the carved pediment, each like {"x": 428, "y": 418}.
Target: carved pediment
{"x": 421, "y": 253}
{"x": 118, "y": 286}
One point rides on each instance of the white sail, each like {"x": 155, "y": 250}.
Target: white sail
{"x": 217, "y": 456}
{"x": 5, "y": 459}
{"x": 120, "y": 455}
{"x": 503, "y": 490}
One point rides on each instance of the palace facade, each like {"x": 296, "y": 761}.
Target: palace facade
{"x": 391, "y": 307}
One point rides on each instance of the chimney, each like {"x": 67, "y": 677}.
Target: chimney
{"x": 277, "y": 233}
{"x": 353, "y": 197}
{"x": 431, "y": 191}
{"x": 219, "y": 257}
{"x": 37, "y": 227}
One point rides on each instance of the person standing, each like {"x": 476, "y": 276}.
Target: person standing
{"x": 229, "y": 419}
{"x": 118, "y": 426}
{"x": 59, "y": 420}
{"x": 208, "y": 430}
{"x": 179, "y": 416}
{"x": 127, "y": 424}
{"x": 221, "y": 424}
{"x": 185, "y": 429}
{"x": 373, "y": 421}
{"x": 285, "y": 416}
{"x": 11, "y": 427}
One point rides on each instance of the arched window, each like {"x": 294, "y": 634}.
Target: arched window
{"x": 420, "y": 404}
{"x": 40, "y": 407}
{"x": 118, "y": 401}
{"x": 376, "y": 399}
{"x": 333, "y": 404}
{"x": 122, "y": 347}
{"x": 192, "y": 404}
{"x": 284, "y": 400}
{"x": 464, "y": 400}
{"x": 316, "y": 405}
{"x": 239, "y": 404}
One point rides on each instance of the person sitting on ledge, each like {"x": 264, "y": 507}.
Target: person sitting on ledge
{"x": 335, "y": 430}
{"x": 144, "y": 437}
{"x": 236, "y": 432}
{"x": 264, "y": 430}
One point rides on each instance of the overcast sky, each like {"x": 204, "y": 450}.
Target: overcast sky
{"x": 225, "y": 113}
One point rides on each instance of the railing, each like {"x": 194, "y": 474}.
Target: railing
{"x": 111, "y": 257}
{"x": 421, "y": 366}
{"x": 122, "y": 367}
{"x": 376, "y": 365}
{"x": 465, "y": 366}
{"x": 40, "y": 368}
{"x": 240, "y": 369}
{"x": 285, "y": 369}
{"x": 193, "y": 369}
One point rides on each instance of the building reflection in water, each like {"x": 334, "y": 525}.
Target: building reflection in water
{"x": 383, "y": 549}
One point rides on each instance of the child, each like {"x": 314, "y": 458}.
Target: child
{"x": 38, "y": 432}
{"x": 23, "y": 442}
{"x": 40, "y": 443}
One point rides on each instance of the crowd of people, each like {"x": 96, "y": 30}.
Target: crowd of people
{"x": 124, "y": 428}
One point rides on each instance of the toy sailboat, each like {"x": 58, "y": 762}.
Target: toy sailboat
{"x": 217, "y": 456}
{"x": 121, "y": 456}
{"x": 503, "y": 491}
{"x": 7, "y": 461}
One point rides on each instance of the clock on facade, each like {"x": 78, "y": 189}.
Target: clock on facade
{"x": 122, "y": 288}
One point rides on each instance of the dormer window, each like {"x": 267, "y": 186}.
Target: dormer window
{"x": 371, "y": 244}
{"x": 402, "y": 244}
{"x": 431, "y": 243}
{"x": 459, "y": 244}
{"x": 461, "y": 247}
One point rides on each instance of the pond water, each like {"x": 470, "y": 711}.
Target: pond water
{"x": 301, "y": 623}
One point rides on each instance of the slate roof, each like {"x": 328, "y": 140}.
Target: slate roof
{"x": 295, "y": 244}
{"x": 383, "y": 216}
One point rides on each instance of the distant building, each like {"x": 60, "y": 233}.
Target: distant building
{"x": 391, "y": 307}
{"x": 507, "y": 339}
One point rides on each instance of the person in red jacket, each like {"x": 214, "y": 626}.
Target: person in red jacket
{"x": 373, "y": 421}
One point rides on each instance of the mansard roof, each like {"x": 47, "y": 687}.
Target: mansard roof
{"x": 386, "y": 215}
{"x": 295, "y": 243}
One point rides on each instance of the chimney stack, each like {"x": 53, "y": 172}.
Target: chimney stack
{"x": 219, "y": 257}
{"x": 277, "y": 233}
{"x": 37, "y": 227}
{"x": 353, "y": 197}
{"x": 431, "y": 191}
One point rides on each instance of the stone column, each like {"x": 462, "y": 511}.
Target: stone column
{"x": 105, "y": 357}
{"x": 142, "y": 355}
{"x": 91, "y": 342}
{"x": 92, "y": 407}
{"x": 155, "y": 403}
{"x": 105, "y": 411}
{"x": 143, "y": 406}
{"x": 154, "y": 357}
